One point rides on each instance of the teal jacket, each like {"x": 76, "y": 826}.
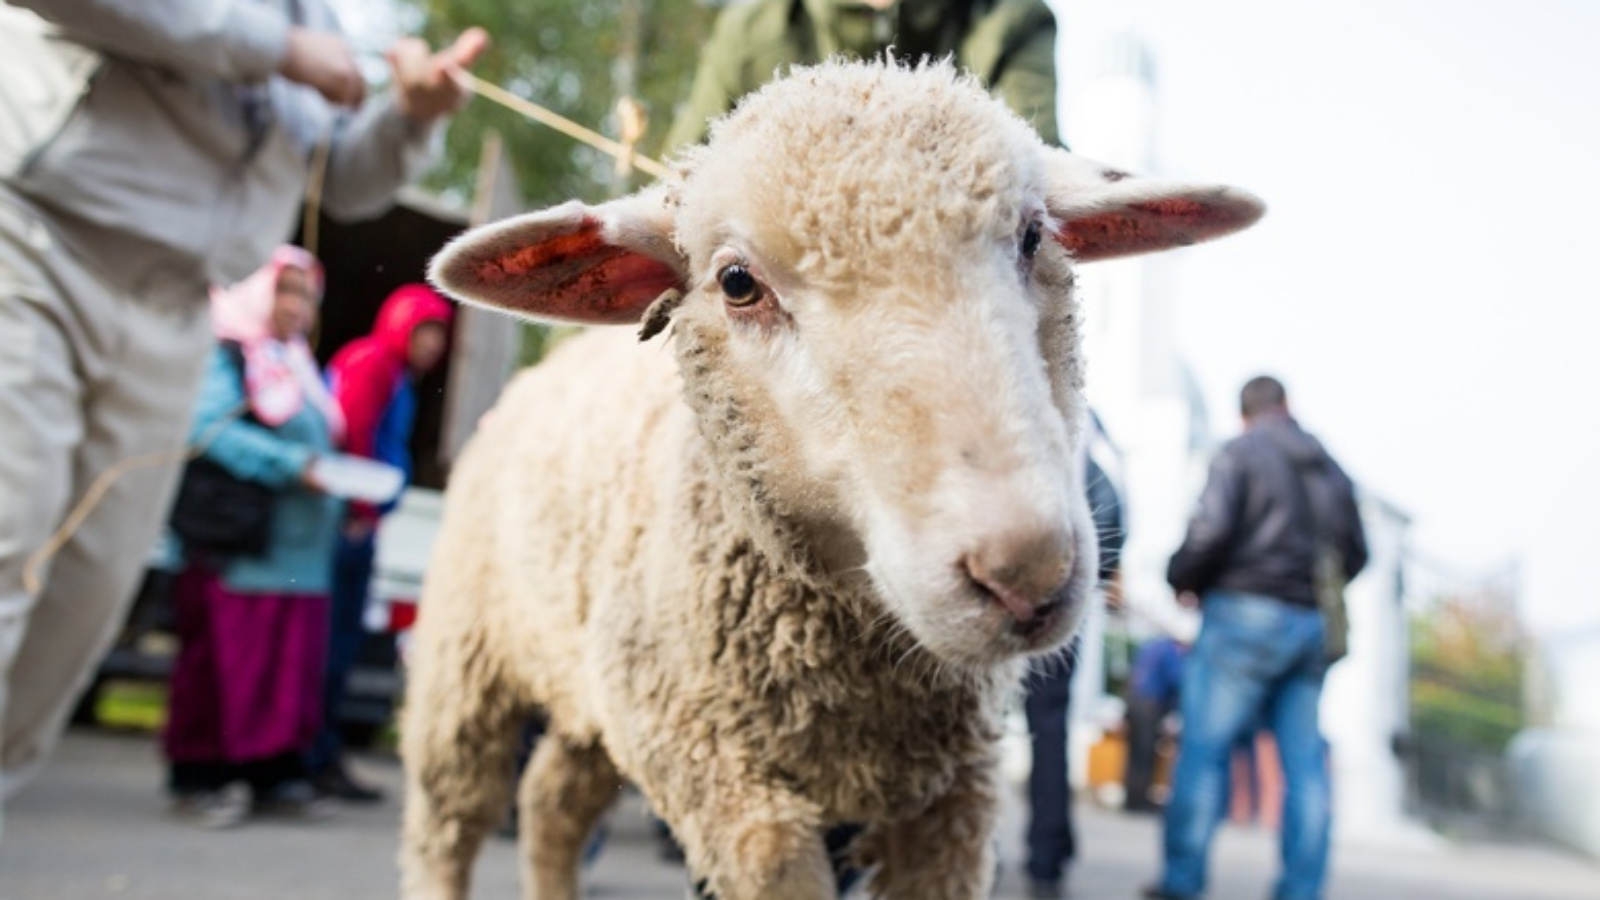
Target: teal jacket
{"x": 304, "y": 523}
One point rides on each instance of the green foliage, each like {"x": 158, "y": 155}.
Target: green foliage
{"x": 1462, "y": 717}
{"x": 538, "y": 340}
{"x": 565, "y": 55}
{"x": 1467, "y": 685}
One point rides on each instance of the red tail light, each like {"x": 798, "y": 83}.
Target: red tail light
{"x": 402, "y": 615}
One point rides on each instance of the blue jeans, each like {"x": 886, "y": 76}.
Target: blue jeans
{"x": 352, "y": 579}
{"x": 1257, "y": 660}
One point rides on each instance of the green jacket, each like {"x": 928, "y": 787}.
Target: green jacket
{"x": 1009, "y": 44}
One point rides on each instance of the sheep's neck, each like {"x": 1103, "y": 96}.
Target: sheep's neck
{"x": 735, "y": 450}
{"x": 814, "y": 674}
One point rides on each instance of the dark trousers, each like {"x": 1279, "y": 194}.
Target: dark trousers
{"x": 1052, "y": 841}
{"x": 1144, "y": 737}
{"x": 352, "y": 579}
{"x": 262, "y": 775}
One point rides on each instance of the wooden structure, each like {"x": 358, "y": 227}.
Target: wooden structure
{"x": 366, "y": 261}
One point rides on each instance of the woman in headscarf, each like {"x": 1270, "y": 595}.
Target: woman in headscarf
{"x": 246, "y": 688}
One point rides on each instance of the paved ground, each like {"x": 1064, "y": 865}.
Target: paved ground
{"x": 95, "y": 826}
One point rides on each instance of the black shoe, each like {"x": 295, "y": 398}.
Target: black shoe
{"x": 508, "y": 828}
{"x": 1142, "y": 807}
{"x": 670, "y": 851}
{"x": 335, "y": 782}
{"x": 291, "y": 800}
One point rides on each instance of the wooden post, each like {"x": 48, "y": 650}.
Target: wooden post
{"x": 484, "y": 355}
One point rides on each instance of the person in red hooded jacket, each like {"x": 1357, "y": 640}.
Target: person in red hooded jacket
{"x": 372, "y": 379}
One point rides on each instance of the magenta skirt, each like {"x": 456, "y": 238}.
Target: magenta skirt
{"x": 247, "y": 683}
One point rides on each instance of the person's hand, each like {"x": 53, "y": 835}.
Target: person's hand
{"x": 425, "y": 82}
{"x": 322, "y": 60}
{"x": 1188, "y": 600}
{"x": 308, "y": 480}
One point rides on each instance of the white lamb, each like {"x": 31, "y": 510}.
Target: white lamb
{"x": 781, "y": 575}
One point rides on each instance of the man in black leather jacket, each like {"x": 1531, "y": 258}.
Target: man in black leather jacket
{"x": 1272, "y": 494}
{"x": 1250, "y": 533}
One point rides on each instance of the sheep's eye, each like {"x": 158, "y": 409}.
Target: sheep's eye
{"x": 1030, "y": 240}
{"x": 739, "y": 286}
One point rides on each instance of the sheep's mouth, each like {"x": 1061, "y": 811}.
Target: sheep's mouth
{"x": 1044, "y": 619}
{"x": 1035, "y": 626}
{"x": 1051, "y": 625}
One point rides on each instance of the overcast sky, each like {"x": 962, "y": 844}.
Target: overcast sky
{"x": 1432, "y": 173}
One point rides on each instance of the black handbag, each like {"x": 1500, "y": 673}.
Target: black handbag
{"x": 217, "y": 513}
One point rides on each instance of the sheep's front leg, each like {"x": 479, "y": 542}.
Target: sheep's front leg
{"x": 947, "y": 853}
{"x": 564, "y": 792}
{"x": 756, "y": 845}
{"x": 457, "y": 781}
{"x": 458, "y": 733}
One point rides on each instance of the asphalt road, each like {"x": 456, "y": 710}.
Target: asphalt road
{"x": 95, "y": 826}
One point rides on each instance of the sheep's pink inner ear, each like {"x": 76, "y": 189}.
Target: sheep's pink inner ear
{"x": 1105, "y": 213}
{"x": 1147, "y": 226}
{"x": 575, "y": 276}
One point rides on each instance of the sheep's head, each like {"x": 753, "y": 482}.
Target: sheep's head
{"x": 868, "y": 273}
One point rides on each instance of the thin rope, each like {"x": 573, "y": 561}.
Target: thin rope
{"x": 527, "y": 108}
{"x": 31, "y": 582}
{"x": 311, "y": 214}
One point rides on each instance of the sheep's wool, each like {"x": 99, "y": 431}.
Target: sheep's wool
{"x": 845, "y": 157}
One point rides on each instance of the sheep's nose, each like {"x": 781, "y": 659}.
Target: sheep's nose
{"x": 1025, "y": 572}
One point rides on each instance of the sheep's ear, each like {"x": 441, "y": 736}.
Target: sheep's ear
{"x": 590, "y": 265}
{"x": 1105, "y": 213}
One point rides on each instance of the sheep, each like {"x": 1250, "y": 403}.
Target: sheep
{"x": 783, "y": 575}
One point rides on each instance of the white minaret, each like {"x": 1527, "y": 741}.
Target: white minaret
{"x": 1137, "y": 383}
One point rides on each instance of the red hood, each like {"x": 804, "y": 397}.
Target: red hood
{"x": 409, "y": 306}
{"x": 365, "y": 372}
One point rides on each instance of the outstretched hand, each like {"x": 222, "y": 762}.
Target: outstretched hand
{"x": 425, "y": 82}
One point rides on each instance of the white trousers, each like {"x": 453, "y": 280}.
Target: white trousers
{"x": 102, "y": 342}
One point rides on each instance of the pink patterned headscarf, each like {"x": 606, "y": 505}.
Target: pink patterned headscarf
{"x": 279, "y": 376}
